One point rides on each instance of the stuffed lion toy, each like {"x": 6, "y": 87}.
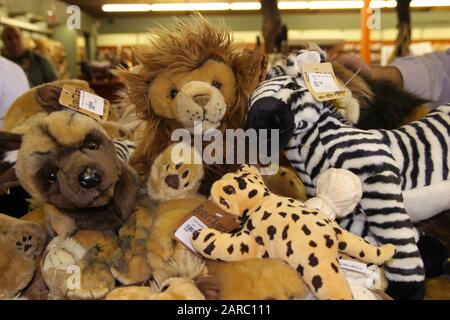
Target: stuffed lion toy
{"x": 193, "y": 73}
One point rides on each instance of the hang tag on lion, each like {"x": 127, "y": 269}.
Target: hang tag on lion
{"x": 85, "y": 102}
{"x": 322, "y": 82}
{"x": 207, "y": 214}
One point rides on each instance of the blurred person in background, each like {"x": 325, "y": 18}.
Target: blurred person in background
{"x": 38, "y": 69}
{"x": 13, "y": 83}
{"x": 426, "y": 76}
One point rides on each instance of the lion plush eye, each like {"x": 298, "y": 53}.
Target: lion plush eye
{"x": 173, "y": 93}
{"x": 216, "y": 84}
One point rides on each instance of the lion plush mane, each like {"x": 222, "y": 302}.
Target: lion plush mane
{"x": 180, "y": 50}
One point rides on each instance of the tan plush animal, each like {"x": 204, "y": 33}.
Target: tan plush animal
{"x": 20, "y": 243}
{"x": 67, "y": 161}
{"x": 284, "y": 228}
{"x": 191, "y": 72}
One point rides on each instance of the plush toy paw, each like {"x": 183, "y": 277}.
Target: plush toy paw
{"x": 434, "y": 255}
{"x": 16, "y": 269}
{"x": 28, "y": 237}
{"x": 406, "y": 290}
{"x": 96, "y": 282}
{"x": 68, "y": 274}
{"x": 174, "y": 174}
{"x": 134, "y": 271}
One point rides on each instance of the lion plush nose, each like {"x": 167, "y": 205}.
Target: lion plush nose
{"x": 201, "y": 99}
{"x": 89, "y": 178}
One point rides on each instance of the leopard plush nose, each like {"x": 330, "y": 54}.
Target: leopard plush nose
{"x": 201, "y": 99}
{"x": 89, "y": 178}
{"x": 172, "y": 181}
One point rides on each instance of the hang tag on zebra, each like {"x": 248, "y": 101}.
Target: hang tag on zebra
{"x": 207, "y": 214}
{"x": 84, "y": 102}
{"x": 322, "y": 82}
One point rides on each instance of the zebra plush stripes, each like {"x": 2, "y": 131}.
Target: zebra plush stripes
{"x": 390, "y": 164}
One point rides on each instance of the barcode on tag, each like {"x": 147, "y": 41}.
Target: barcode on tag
{"x": 353, "y": 266}
{"x": 91, "y": 102}
{"x": 185, "y": 231}
{"x": 323, "y": 82}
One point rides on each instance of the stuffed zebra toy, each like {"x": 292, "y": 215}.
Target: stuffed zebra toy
{"x": 404, "y": 167}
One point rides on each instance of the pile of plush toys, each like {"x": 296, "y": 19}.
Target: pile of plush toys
{"x": 102, "y": 227}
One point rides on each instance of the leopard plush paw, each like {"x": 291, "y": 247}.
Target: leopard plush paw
{"x": 174, "y": 174}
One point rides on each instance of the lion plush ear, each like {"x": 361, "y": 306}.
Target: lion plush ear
{"x": 250, "y": 67}
{"x": 9, "y": 148}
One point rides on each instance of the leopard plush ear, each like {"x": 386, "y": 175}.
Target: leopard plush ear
{"x": 9, "y": 149}
{"x": 250, "y": 169}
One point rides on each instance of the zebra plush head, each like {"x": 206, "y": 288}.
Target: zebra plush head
{"x": 283, "y": 103}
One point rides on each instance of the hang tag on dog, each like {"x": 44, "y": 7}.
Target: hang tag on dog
{"x": 205, "y": 215}
{"x": 322, "y": 82}
{"x": 85, "y": 102}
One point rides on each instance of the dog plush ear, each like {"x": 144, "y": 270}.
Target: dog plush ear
{"x": 9, "y": 148}
{"x": 47, "y": 96}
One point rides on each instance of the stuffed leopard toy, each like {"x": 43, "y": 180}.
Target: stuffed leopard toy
{"x": 284, "y": 228}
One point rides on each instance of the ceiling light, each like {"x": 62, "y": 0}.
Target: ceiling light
{"x": 429, "y": 3}
{"x": 292, "y": 5}
{"x": 376, "y": 4}
{"x": 245, "y": 6}
{"x": 335, "y": 5}
{"x": 210, "y": 6}
{"x": 132, "y": 7}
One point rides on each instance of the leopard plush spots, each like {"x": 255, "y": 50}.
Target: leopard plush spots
{"x": 284, "y": 228}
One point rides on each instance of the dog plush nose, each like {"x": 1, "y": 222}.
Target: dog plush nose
{"x": 201, "y": 99}
{"x": 89, "y": 178}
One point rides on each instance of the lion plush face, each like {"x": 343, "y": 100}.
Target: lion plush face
{"x": 68, "y": 160}
{"x": 201, "y": 95}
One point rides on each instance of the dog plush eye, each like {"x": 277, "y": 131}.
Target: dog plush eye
{"x": 91, "y": 145}
{"x": 173, "y": 93}
{"x": 51, "y": 177}
{"x": 292, "y": 86}
{"x": 216, "y": 84}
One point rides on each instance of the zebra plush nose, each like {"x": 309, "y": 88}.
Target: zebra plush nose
{"x": 272, "y": 114}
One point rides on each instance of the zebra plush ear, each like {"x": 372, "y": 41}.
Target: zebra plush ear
{"x": 9, "y": 149}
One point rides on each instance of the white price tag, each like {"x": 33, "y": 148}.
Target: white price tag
{"x": 323, "y": 82}
{"x": 353, "y": 266}
{"x": 91, "y": 102}
{"x": 184, "y": 233}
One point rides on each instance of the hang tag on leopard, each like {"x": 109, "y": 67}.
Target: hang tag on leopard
{"x": 351, "y": 265}
{"x": 207, "y": 214}
{"x": 85, "y": 102}
{"x": 322, "y": 82}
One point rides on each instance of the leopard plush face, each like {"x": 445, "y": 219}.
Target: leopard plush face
{"x": 201, "y": 95}
{"x": 236, "y": 193}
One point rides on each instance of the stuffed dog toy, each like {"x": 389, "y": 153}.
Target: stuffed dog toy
{"x": 67, "y": 162}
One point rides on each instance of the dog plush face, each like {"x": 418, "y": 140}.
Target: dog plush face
{"x": 201, "y": 95}
{"x": 67, "y": 160}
